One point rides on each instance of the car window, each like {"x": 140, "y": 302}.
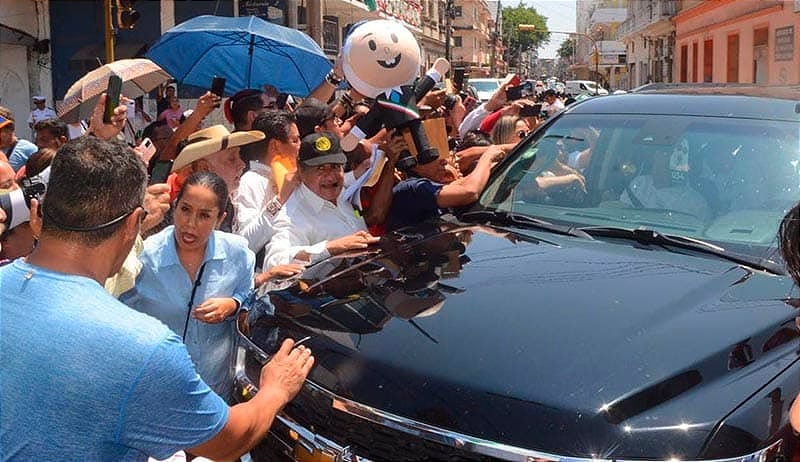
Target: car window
{"x": 485, "y": 85}
{"x": 724, "y": 180}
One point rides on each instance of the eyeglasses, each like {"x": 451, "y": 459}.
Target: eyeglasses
{"x": 87, "y": 229}
{"x": 522, "y": 134}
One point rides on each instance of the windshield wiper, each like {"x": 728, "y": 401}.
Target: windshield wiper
{"x": 505, "y": 218}
{"x": 652, "y": 237}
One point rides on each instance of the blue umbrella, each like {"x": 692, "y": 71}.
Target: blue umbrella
{"x": 249, "y": 52}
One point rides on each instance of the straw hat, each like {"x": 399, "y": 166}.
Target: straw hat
{"x": 205, "y": 142}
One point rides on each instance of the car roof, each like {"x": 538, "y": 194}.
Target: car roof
{"x": 741, "y": 89}
{"x": 673, "y": 102}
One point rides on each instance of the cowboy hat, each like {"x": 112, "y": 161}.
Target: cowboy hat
{"x": 205, "y": 142}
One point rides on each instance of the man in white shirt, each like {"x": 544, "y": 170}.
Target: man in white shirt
{"x": 40, "y": 113}
{"x": 666, "y": 186}
{"x": 258, "y": 200}
{"x": 554, "y": 104}
{"x": 316, "y": 222}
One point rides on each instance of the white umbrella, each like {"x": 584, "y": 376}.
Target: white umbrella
{"x": 139, "y": 76}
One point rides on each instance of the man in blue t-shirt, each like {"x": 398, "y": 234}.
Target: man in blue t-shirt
{"x": 436, "y": 185}
{"x": 85, "y": 377}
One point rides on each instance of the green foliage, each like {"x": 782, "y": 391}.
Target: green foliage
{"x": 516, "y": 40}
{"x": 567, "y": 48}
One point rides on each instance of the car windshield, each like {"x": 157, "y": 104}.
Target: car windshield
{"x": 485, "y": 85}
{"x": 723, "y": 180}
{"x": 589, "y": 85}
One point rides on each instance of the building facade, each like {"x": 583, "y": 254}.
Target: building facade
{"x": 473, "y": 28}
{"x": 747, "y": 41}
{"x": 600, "y": 55}
{"x": 649, "y": 37}
{"x": 47, "y": 45}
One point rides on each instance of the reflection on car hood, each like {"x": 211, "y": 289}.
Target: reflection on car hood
{"x": 565, "y": 345}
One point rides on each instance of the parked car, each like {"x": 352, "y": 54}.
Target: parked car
{"x": 577, "y": 87}
{"x": 485, "y": 87}
{"x": 631, "y": 306}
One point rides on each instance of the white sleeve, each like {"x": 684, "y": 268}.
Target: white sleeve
{"x": 289, "y": 240}
{"x": 252, "y": 220}
{"x": 473, "y": 120}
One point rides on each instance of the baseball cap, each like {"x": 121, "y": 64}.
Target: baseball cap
{"x": 39, "y": 98}
{"x": 320, "y": 149}
{"x": 5, "y": 122}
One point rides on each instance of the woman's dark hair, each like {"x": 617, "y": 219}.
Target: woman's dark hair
{"x": 474, "y": 138}
{"x": 789, "y": 238}
{"x": 211, "y": 181}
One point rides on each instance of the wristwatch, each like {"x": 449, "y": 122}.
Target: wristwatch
{"x": 332, "y": 79}
{"x": 273, "y": 206}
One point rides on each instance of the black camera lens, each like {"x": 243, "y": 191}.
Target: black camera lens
{"x": 449, "y": 102}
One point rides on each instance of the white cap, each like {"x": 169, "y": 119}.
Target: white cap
{"x": 39, "y": 98}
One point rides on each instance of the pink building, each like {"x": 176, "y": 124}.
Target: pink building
{"x": 748, "y": 41}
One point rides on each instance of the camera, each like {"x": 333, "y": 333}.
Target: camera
{"x": 449, "y": 102}
{"x": 17, "y": 203}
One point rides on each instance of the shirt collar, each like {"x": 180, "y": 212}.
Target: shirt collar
{"x": 314, "y": 201}
{"x": 258, "y": 167}
{"x": 170, "y": 251}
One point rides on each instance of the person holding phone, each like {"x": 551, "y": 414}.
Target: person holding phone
{"x": 147, "y": 400}
{"x": 195, "y": 278}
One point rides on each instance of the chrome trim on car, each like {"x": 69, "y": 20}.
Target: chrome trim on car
{"x": 312, "y": 441}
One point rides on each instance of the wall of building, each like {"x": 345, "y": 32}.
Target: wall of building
{"x": 741, "y": 18}
{"x": 23, "y": 71}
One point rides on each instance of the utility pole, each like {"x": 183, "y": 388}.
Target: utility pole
{"x": 109, "y": 31}
{"x": 448, "y": 14}
{"x": 495, "y": 40}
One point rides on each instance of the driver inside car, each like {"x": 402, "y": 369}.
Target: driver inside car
{"x": 666, "y": 186}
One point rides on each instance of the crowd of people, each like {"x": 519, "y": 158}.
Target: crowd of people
{"x": 121, "y": 297}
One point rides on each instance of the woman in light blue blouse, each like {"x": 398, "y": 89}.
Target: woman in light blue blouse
{"x": 194, "y": 279}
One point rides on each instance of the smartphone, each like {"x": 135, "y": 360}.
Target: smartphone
{"x": 280, "y": 103}
{"x": 131, "y": 113}
{"x": 458, "y": 79}
{"x": 523, "y": 90}
{"x": 161, "y": 171}
{"x": 218, "y": 87}
{"x": 513, "y": 80}
{"x": 148, "y": 148}
{"x": 530, "y": 111}
{"x": 112, "y": 97}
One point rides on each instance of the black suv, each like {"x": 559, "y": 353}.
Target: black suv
{"x": 616, "y": 294}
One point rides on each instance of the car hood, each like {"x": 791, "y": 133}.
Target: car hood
{"x": 570, "y": 346}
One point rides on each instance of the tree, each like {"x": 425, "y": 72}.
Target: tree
{"x": 517, "y": 41}
{"x": 567, "y": 48}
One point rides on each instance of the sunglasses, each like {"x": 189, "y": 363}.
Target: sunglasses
{"x": 522, "y": 134}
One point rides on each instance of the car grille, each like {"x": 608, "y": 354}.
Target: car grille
{"x": 313, "y": 410}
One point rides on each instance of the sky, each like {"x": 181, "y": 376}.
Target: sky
{"x": 560, "y": 16}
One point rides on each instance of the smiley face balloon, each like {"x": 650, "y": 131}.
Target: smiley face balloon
{"x": 380, "y": 55}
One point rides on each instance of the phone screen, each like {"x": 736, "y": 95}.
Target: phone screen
{"x": 112, "y": 97}
{"x": 218, "y": 86}
{"x": 530, "y": 111}
{"x": 161, "y": 171}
